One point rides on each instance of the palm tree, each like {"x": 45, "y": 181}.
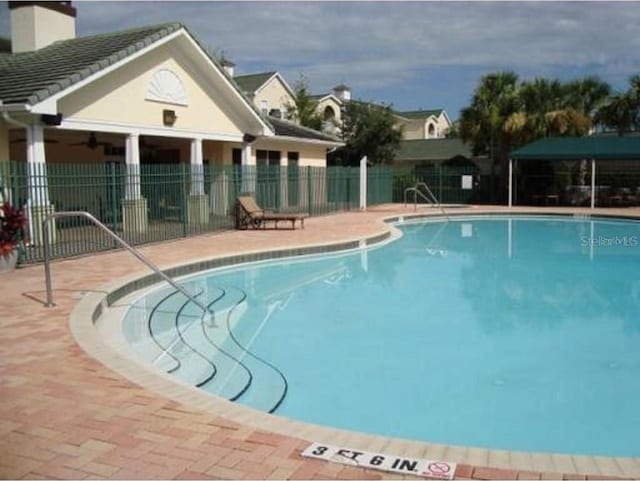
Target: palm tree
{"x": 549, "y": 107}
{"x": 481, "y": 124}
{"x": 622, "y": 111}
{"x": 587, "y": 94}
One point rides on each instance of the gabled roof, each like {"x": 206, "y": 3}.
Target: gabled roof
{"x": 578, "y": 148}
{"x": 252, "y": 82}
{"x": 285, "y": 128}
{"x": 31, "y": 77}
{"x": 432, "y": 149}
{"x": 320, "y": 97}
{"x": 420, "y": 114}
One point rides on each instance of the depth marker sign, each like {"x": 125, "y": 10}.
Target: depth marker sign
{"x": 383, "y": 462}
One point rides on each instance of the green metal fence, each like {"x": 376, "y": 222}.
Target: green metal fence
{"x": 157, "y": 202}
{"x": 447, "y": 185}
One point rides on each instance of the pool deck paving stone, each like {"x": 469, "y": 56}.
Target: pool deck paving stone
{"x": 64, "y": 415}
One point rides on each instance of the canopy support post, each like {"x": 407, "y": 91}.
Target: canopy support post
{"x": 510, "y": 183}
{"x": 593, "y": 183}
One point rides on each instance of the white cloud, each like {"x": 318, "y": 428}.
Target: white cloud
{"x": 378, "y": 44}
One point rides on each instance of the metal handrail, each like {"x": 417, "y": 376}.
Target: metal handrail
{"x": 416, "y": 193}
{"x": 432, "y": 200}
{"x": 208, "y": 314}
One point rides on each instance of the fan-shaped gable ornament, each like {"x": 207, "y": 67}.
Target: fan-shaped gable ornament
{"x": 165, "y": 86}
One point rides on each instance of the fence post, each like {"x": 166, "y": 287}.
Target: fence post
{"x": 184, "y": 214}
{"x": 113, "y": 193}
{"x": 309, "y": 197}
{"x": 363, "y": 183}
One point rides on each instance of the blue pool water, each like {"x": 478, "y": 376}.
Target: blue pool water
{"x": 515, "y": 333}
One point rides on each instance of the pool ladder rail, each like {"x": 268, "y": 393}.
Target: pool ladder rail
{"x": 429, "y": 197}
{"x": 206, "y": 320}
{"x": 208, "y": 315}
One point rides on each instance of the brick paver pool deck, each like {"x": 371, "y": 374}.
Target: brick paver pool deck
{"x": 65, "y": 415}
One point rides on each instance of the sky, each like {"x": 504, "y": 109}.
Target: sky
{"x": 411, "y": 55}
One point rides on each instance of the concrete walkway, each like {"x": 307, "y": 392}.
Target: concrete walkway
{"x": 63, "y": 415}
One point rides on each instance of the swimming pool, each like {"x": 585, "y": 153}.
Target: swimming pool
{"x": 512, "y": 333}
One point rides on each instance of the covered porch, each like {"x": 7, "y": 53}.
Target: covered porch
{"x": 134, "y": 183}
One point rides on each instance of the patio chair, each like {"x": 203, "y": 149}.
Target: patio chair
{"x": 250, "y": 214}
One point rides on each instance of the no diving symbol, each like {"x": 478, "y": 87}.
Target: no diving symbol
{"x": 438, "y": 469}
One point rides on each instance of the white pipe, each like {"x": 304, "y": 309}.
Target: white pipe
{"x": 510, "y": 182}
{"x": 13, "y": 121}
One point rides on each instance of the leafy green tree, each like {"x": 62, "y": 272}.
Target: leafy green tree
{"x": 304, "y": 109}
{"x": 454, "y": 131}
{"x": 370, "y": 130}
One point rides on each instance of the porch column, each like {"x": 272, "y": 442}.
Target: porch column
{"x": 134, "y": 206}
{"x": 593, "y": 183}
{"x": 197, "y": 170}
{"x": 248, "y": 169}
{"x": 198, "y": 209}
{"x": 38, "y": 204}
{"x": 132, "y": 183}
{"x": 284, "y": 184}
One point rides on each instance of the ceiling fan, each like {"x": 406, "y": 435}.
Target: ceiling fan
{"x": 92, "y": 142}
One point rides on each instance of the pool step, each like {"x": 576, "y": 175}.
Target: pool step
{"x": 268, "y": 385}
{"x": 177, "y": 355}
{"x": 175, "y": 339}
{"x": 232, "y": 378}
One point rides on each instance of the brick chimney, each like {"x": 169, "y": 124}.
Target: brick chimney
{"x": 37, "y": 24}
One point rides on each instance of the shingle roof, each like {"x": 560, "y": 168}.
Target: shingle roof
{"x": 432, "y": 149}
{"x": 31, "y": 77}
{"x": 250, "y": 83}
{"x": 288, "y": 129}
{"x": 419, "y": 114}
{"x": 577, "y": 148}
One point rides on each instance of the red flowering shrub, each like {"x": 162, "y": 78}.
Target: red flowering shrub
{"x": 12, "y": 222}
